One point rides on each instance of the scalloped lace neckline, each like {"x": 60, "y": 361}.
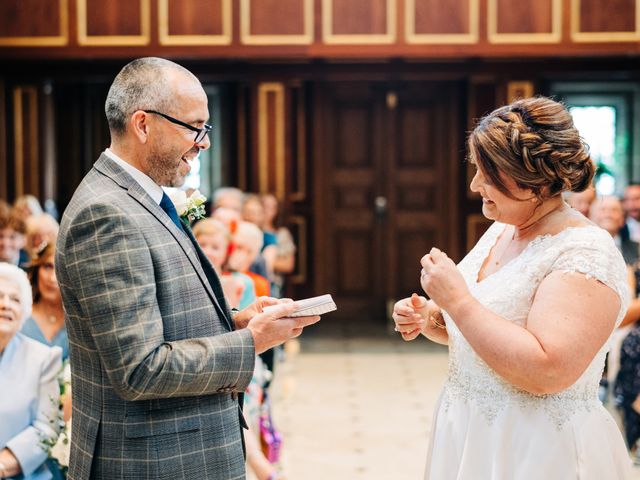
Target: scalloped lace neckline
{"x": 538, "y": 239}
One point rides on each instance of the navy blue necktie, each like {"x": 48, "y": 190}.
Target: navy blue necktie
{"x": 167, "y": 205}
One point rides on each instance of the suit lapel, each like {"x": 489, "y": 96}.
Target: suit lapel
{"x": 187, "y": 242}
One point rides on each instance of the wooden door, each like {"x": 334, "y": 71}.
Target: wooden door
{"x": 387, "y": 158}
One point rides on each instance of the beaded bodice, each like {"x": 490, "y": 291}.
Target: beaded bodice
{"x": 509, "y": 292}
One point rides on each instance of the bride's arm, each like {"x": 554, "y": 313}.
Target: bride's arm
{"x": 570, "y": 319}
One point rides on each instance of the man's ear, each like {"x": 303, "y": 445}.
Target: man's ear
{"x": 139, "y": 126}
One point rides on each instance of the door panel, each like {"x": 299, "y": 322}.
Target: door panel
{"x": 386, "y": 161}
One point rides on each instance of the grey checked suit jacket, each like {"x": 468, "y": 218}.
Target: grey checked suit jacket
{"x": 155, "y": 363}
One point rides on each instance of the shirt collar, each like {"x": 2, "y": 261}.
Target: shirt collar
{"x": 152, "y": 188}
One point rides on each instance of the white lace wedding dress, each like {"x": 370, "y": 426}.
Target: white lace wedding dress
{"x": 486, "y": 429}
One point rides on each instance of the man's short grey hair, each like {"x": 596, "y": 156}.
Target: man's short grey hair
{"x": 19, "y": 278}
{"x": 140, "y": 85}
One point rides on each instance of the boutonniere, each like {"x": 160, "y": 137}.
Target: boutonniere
{"x": 189, "y": 208}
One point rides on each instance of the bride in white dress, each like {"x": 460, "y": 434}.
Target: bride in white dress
{"x": 528, "y": 314}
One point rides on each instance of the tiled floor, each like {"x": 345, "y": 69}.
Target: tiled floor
{"x": 357, "y": 406}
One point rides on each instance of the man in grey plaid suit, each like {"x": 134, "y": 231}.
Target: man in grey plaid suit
{"x": 158, "y": 362}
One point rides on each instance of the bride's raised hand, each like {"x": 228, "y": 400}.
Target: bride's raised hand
{"x": 410, "y": 316}
{"x": 442, "y": 281}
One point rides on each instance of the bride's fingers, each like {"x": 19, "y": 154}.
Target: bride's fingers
{"x": 427, "y": 262}
{"x": 437, "y": 255}
{"x": 410, "y": 335}
{"x": 409, "y": 327}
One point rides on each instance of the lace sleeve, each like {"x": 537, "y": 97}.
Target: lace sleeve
{"x": 594, "y": 254}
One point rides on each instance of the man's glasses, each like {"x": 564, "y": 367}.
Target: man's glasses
{"x": 200, "y": 132}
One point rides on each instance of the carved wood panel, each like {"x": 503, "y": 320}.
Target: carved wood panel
{"x": 194, "y": 22}
{"x": 276, "y": 22}
{"x": 359, "y": 21}
{"x": 117, "y": 22}
{"x": 434, "y": 21}
{"x": 525, "y": 21}
{"x": 34, "y": 22}
{"x": 605, "y": 20}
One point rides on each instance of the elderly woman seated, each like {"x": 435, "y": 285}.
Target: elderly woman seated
{"x": 29, "y": 370}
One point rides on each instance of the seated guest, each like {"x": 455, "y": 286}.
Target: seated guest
{"x": 214, "y": 238}
{"x": 29, "y": 371}
{"x": 581, "y": 201}
{"x": 228, "y": 197}
{"x": 12, "y": 231}
{"x": 253, "y": 211}
{"x": 285, "y": 260}
{"x": 46, "y": 323}
{"x": 607, "y": 213}
{"x": 26, "y": 206}
{"x": 627, "y": 387}
{"x": 631, "y": 205}
{"x": 40, "y": 230}
{"x": 247, "y": 243}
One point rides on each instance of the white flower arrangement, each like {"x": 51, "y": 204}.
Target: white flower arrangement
{"x": 59, "y": 448}
{"x": 189, "y": 208}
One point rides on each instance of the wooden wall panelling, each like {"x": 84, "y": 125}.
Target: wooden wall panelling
{"x": 299, "y": 137}
{"x": 31, "y": 23}
{"x": 4, "y": 176}
{"x": 25, "y": 140}
{"x": 114, "y": 23}
{"x": 276, "y": 22}
{"x": 47, "y": 131}
{"x": 359, "y": 22}
{"x": 299, "y": 232}
{"x": 437, "y": 22}
{"x": 271, "y": 139}
{"x": 194, "y": 22}
{"x": 525, "y": 21}
{"x": 605, "y": 20}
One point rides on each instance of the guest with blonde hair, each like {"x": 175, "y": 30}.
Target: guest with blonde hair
{"x": 247, "y": 241}
{"x": 214, "y": 239}
{"x": 27, "y": 205}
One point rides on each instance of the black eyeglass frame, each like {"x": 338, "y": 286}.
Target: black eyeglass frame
{"x": 200, "y": 132}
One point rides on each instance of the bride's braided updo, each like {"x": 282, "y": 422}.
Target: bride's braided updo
{"x": 534, "y": 142}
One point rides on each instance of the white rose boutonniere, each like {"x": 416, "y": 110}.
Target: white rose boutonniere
{"x": 189, "y": 208}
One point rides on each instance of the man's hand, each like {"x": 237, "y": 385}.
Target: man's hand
{"x": 275, "y": 327}
{"x": 242, "y": 318}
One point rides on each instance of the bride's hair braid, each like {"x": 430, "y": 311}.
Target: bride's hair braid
{"x": 535, "y": 142}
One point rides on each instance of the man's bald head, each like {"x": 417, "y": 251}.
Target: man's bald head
{"x": 143, "y": 84}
